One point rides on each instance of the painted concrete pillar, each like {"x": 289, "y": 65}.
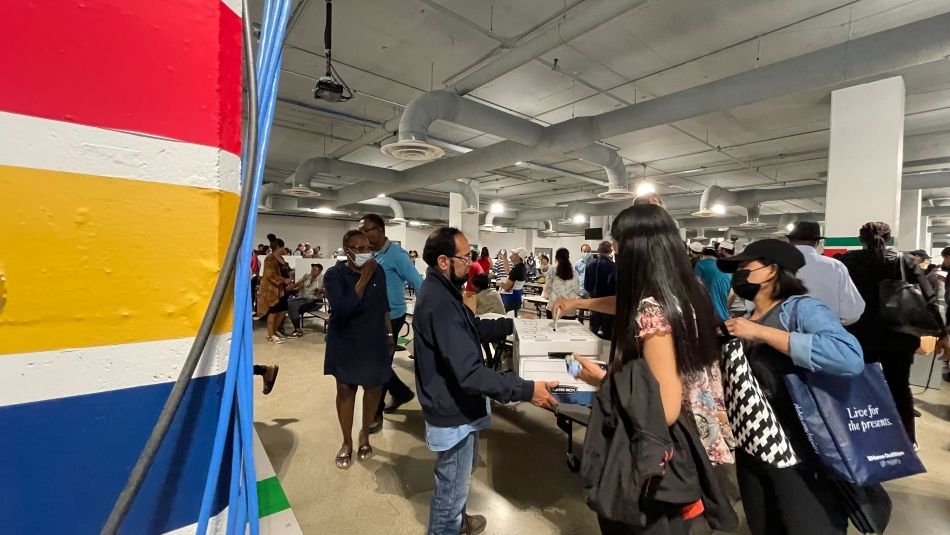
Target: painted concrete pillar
{"x": 120, "y": 129}
{"x": 909, "y": 237}
{"x": 864, "y": 161}
{"x": 926, "y": 238}
{"x": 397, "y": 232}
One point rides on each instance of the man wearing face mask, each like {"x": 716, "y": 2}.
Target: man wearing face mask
{"x": 454, "y": 384}
{"x": 399, "y": 271}
{"x": 580, "y": 267}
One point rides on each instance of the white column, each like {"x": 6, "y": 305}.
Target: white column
{"x": 865, "y": 159}
{"x": 926, "y": 239}
{"x": 909, "y": 237}
{"x": 397, "y": 233}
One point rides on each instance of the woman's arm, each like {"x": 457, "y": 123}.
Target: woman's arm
{"x": 604, "y": 305}
{"x": 660, "y": 355}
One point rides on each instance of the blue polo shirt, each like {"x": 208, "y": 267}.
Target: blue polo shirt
{"x": 399, "y": 271}
{"x": 717, "y": 284}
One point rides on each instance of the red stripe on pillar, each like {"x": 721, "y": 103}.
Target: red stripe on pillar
{"x": 170, "y": 68}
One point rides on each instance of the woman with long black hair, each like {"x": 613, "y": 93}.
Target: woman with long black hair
{"x": 881, "y": 343}
{"x": 664, "y": 317}
{"x": 561, "y": 284}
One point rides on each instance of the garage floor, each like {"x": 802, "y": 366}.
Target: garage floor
{"x": 522, "y": 484}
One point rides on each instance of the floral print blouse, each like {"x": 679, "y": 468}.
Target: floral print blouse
{"x": 702, "y": 391}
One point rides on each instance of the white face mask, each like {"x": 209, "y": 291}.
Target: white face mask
{"x": 361, "y": 258}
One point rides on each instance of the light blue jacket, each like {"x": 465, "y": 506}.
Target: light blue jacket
{"x": 817, "y": 340}
{"x": 399, "y": 271}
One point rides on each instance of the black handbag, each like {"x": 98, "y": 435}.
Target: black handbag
{"x": 905, "y": 309}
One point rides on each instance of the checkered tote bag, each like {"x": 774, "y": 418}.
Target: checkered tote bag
{"x": 756, "y": 428}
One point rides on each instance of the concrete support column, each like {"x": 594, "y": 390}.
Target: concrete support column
{"x": 467, "y": 223}
{"x": 910, "y": 237}
{"x": 865, "y": 160}
{"x": 926, "y": 239}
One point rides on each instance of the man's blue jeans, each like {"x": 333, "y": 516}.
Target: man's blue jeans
{"x": 453, "y": 471}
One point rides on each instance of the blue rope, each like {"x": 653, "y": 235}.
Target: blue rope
{"x": 237, "y": 402}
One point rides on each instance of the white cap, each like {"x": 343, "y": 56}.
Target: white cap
{"x": 696, "y": 247}
{"x": 520, "y": 251}
{"x": 728, "y": 245}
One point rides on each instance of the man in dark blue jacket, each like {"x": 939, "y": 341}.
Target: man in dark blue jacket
{"x": 452, "y": 382}
{"x": 599, "y": 281}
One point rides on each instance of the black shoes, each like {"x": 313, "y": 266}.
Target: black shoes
{"x": 394, "y": 405}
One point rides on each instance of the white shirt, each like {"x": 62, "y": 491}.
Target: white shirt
{"x": 557, "y": 288}
{"x": 828, "y": 280}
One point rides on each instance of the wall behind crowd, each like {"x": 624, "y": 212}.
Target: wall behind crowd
{"x": 326, "y": 233}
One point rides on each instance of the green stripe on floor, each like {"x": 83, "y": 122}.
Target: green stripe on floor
{"x": 850, "y": 241}
{"x": 270, "y": 497}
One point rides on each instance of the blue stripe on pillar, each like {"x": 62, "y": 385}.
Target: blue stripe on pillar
{"x": 65, "y": 460}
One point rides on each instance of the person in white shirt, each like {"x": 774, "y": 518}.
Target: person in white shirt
{"x": 309, "y": 297}
{"x": 827, "y": 279}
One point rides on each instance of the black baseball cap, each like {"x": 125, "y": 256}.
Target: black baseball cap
{"x": 920, "y": 253}
{"x": 779, "y": 252}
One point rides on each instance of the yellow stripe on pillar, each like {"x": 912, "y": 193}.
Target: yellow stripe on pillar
{"x": 93, "y": 261}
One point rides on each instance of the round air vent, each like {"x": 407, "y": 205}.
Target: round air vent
{"x": 471, "y": 210}
{"x": 396, "y": 221}
{"x": 752, "y": 224}
{"x": 412, "y": 150}
{"x": 617, "y": 194}
{"x": 704, "y": 213}
{"x": 300, "y": 191}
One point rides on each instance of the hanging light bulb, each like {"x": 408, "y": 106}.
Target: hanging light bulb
{"x": 644, "y": 188}
{"x": 579, "y": 218}
{"x": 497, "y": 207}
{"x": 790, "y": 227}
{"x": 719, "y": 209}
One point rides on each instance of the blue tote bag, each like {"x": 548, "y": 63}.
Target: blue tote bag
{"x": 853, "y": 424}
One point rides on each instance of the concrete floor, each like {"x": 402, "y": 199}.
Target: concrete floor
{"x": 522, "y": 484}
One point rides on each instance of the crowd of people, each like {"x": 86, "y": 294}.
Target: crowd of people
{"x": 663, "y": 305}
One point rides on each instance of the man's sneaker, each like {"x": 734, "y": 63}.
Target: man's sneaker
{"x": 394, "y": 405}
{"x": 275, "y": 340}
{"x": 473, "y": 525}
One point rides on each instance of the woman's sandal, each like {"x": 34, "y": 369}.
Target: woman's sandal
{"x": 365, "y": 452}
{"x": 345, "y": 458}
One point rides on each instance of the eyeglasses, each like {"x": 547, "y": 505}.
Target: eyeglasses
{"x": 467, "y": 259}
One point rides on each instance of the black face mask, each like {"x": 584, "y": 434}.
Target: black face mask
{"x": 945, "y": 268}
{"x": 455, "y": 279}
{"x": 741, "y": 285}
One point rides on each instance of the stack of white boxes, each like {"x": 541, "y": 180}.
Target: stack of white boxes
{"x": 535, "y": 339}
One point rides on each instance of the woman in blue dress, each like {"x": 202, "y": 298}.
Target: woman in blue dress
{"x": 360, "y": 346}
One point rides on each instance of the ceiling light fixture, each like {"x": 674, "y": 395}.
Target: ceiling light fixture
{"x": 415, "y": 223}
{"x": 331, "y": 87}
{"x": 790, "y": 227}
{"x": 497, "y": 207}
{"x": 579, "y": 218}
{"x": 645, "y": 188}
{"x": 718, "y": 209}
{"x": 381, "y": 195}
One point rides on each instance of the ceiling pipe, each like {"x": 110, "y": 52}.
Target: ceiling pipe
{"x": 399, "y": 215}
{"x": 425, "y": 109}
{"x": 736, "y": 221}
{"x": 835, "y": 66}
{"x": 322, "y": 165}
{"x": 938, "y": 229}
{"x": 587, "y": 18}
{"x": 714, "y": 196}
{"x": 935, "y": 211}
{"x": 753, "y": 215}
{"x": 455, "y": 186}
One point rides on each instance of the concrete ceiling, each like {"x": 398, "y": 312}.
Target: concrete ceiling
{"x": 389, "y": 52}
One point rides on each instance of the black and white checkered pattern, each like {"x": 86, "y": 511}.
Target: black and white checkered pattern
{"x": 754, "y": 423}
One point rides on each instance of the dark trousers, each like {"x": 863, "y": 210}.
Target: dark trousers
{"x": 895, "y": 352}
{"x": 396, "y": 388}
{"x": 788, "y": 501}
{"x": 602, "y": 325}
{"x": 896, "y": 367}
